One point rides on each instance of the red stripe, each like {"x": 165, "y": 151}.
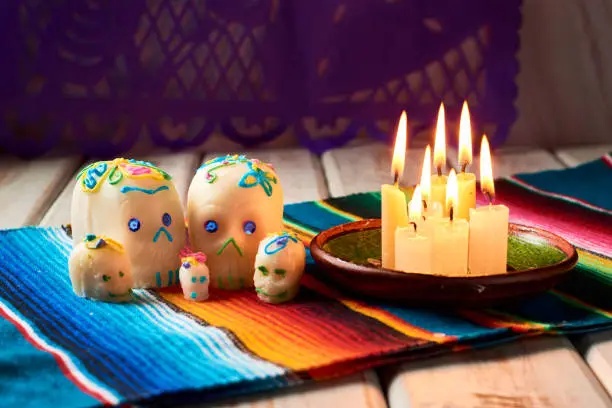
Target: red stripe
{"x": 58, "y": 358}
{"x": 608, "y": 159}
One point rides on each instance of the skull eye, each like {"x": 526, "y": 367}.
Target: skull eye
{"x": 280, "y": 272}
{"x": 211, "y": 226}
{"x": 249, "y": 227}
{"x": 134, "y": 224}
{"x": 121, "y": 274}
{"x": 166, "y": 219}
{"x": 106, "y": 278}
{"x": 264, "y": 271}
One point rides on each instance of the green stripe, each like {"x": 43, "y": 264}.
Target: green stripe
{"x": 364, "y": 205}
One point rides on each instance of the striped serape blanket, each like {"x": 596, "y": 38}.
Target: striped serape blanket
{"x": 58, "y": 349}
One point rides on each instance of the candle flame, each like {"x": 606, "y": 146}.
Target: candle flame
{"x": 440, "y": 140}
{"x": 415, "y": 207}
{"x": 486, "y": 169}
{"x": 426, "y": 174}
{"x": 452, "y": 191}
{"x": 399, "y": 150}
{"x": 465, "y": 137}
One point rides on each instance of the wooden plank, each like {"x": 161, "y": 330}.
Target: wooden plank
{"x": 357, "y": 391}
{"x": 299, "y": 170}
{"x": 597, "y": 352}
{"x": 577, "y": 155}
{"x": 27, "y": 188}
{"x": 539, "y": 372}
{"x": 544, "y": 358}
{"x": 366, "y": 167}
{"x": 181, "y": 166}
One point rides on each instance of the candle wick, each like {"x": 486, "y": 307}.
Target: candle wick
{"x": 439, "y": 171}
{"x": 490, "y": 197}
{"x": 464, "y": 167}
{"x": 425, "y": 205}
{"x": 451, "y": 213}
{"x": 396, "y": 179}
{"x": 414, "y": 225}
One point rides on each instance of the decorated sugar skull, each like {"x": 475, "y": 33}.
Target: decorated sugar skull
{"x": 137, "y": 204}
{"x": 233, "y": 203}
{"x": 279, "y": 266}
{"x": 100, "y": 269}
{"x": 194, "y": 276}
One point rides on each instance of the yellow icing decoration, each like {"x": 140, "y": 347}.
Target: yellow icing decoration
{"x": 92, "y": 176}
{"x": 102, "y": 241}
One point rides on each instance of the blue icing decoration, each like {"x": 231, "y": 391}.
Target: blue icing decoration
{"x": 258, "y": 177}
{"x": 279, "y": 243}
{"x": 93, "y": 175}
{"x": 202, "y": 279}
{"x": 127, "y": 189}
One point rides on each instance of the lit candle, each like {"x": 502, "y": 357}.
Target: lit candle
{"x": 415, "y": 211}
{"x": 394, "y": 212}
{"x": 450, "y": 237}
{"x": 488, "y": 253}
{"x": 438, "y": 181}
{"x": 413, "y": 243}
{"x": 466, "y": 182}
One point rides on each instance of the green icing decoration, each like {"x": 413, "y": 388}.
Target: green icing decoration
{"x": 280, "y": 272}
{"x": 363, "y": 247}
{"x": 264, "y": 270}
{"x": 90, "y": 237}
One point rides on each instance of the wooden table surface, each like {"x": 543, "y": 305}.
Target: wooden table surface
{"x": 535, "y": 372}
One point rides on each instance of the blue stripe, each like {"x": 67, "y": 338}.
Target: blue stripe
{"x": 158, "y": 279}
{"x": 41, "y": 371}
{"x": 585, "y": 182}
{"x": 314, "y": 216}
{"x": 136, "y": 347}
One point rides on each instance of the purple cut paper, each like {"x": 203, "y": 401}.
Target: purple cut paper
{"x": 100, "y": 75}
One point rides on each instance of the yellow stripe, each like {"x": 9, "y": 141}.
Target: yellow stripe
{"x": 579, "y": 303}
{"x": 396, "y": 323}
{"x": 336, "y": 210}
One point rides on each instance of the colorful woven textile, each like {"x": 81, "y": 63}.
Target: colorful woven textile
{"x": 74, "y": 352}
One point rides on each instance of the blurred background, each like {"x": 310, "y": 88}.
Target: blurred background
{"x": 108, "y": 77}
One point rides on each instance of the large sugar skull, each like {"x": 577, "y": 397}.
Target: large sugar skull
{"x": 279, "y": 266}
{"x": 135, "y": 203}
{"x": 100, "y": 269}
{"x": 233, "y": 203}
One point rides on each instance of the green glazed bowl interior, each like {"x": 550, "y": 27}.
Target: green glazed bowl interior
{"x": 350, "y": 258}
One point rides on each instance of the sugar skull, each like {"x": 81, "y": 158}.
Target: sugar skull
{"x": 137, "y": 204}
{"x": 233, "y": 203}
{"x": 194, "y": 276}
{"x": 279, "y": 266}
{"x": 100, "y": 269}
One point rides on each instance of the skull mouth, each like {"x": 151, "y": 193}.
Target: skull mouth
{"x": 159, "y": 232}
{"x": 119, "y": 295}
{"x": 228, "y": 241}
{"x": 280, "y": 295}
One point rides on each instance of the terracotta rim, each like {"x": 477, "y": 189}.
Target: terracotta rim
{"x": 528, "y": 275}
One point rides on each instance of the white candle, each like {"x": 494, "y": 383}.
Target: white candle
{"x": 450, "y": 238}
{"x": 394, "y": 212}
{"x": 412, "y": 251}
{"x": 413, "y": 243}
{"x": 466, "y": 182}
{"x": 488, "y": 245}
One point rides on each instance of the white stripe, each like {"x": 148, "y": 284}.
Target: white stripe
{"x": 218, "y": 345}
{"x": 515, "y": 180}
{"x": 74, "y": 370}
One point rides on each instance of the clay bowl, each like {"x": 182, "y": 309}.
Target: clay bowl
{"x": 349, "y": 254}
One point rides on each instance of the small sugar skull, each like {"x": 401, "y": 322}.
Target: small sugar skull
{"x": 137, "y": 204}
{"x": 233, "y": 203}
{"x": 194, "y": 276}
{"x": 100, "y": 269}
{"x": 279, "y": 266}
